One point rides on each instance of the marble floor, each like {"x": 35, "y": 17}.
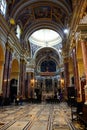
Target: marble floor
{"x": 37, "y": 117}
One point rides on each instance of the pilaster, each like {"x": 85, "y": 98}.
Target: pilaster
{"x": 22, "y": 78}
{"x": 7, "y": 71}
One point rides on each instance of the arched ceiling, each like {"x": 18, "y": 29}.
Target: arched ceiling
{"x": 33, "y": 15}
{"x": 47, "y": 53}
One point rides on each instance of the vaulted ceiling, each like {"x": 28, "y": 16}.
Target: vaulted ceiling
{"x": 36, "y": 14}
{"x": 33, "y": 15}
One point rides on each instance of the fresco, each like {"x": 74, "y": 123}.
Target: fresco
{"x": 42, "y": 12}
{"x": 58, "y": 14}
{"x": 28, "y": 16}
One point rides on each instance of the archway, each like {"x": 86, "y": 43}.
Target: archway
{"x": 14, "y": 79}
{"x": 1, "y": 66}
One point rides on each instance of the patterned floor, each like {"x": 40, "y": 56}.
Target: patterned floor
{"x": 37, "y": 117}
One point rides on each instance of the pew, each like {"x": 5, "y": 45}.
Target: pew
{"x": 83, "y": 118}
{"x": 76, "y": 110}
{"x": 79, "y": 113}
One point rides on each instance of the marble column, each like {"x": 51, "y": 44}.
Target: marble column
{"x": 9, "y": 72}
{"x": 22, "y": 78}
{"x": 6, "y": 73}
{"x": 18, "y": 85}
{"x": 76, "y": 76}
{"x": 29, "y": 84}
{"x": 84, "y": 53}
{"x": 66, "y": 75}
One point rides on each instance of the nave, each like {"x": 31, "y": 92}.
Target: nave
{"x": 37, "y": 117}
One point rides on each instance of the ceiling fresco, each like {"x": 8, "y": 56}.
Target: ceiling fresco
{"x": 43, "y": 12}
{"x": 33, "y": 15}
{"x": 30, "y": 11}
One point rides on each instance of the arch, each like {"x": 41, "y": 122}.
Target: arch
{"x": 22, "y": 4}
{"x": 15, "y": 69}
{"x": 44, "y": 52}
{"x": 14, "y": 79}
{"x": 43, "y": 48}
{"x": 43, "y": 25}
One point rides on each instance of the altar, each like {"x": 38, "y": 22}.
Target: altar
{"x": 47, "y": 95}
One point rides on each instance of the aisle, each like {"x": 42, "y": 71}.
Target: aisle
{"x": 36, "y": 117}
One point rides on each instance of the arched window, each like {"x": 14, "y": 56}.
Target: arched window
{"x": 18, "y": 31}
{"x": 3, "y": 7}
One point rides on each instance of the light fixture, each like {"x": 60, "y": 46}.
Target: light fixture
{"x": 60, "y": 50}
{"x": 66, "y": 31}
{"x": 12, "y": 21}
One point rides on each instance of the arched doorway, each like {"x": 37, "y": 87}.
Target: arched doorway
{"x": 14, "y": 80}
{"x": 1, "y": 66}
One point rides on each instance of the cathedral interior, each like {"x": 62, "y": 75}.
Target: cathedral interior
{"x": 43, "y": 64}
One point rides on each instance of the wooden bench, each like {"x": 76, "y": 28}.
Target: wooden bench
{"x": 83, "y": 117}
{"x": 79, "y": 113}
{"x": 76, "y": 110}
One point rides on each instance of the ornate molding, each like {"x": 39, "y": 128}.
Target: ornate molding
{"x": 82, "y": 32}
{"x": 83, "y": 10}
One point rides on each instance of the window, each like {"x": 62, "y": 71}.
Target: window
{"x": 3, "y": 7}
{"x": 18, "y": 31}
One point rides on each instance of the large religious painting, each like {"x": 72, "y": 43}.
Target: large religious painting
{"x": 48, "y": 66}
{"x": 42, "y": 12}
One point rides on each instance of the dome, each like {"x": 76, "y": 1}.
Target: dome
{"x": 45, "y": 37}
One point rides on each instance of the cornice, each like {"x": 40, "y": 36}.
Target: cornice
{"x": 83, "y": 9}
{"x": 81, "y": 34}
{"x": 82, "y": 29}
{"x": 76, "y": 14}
